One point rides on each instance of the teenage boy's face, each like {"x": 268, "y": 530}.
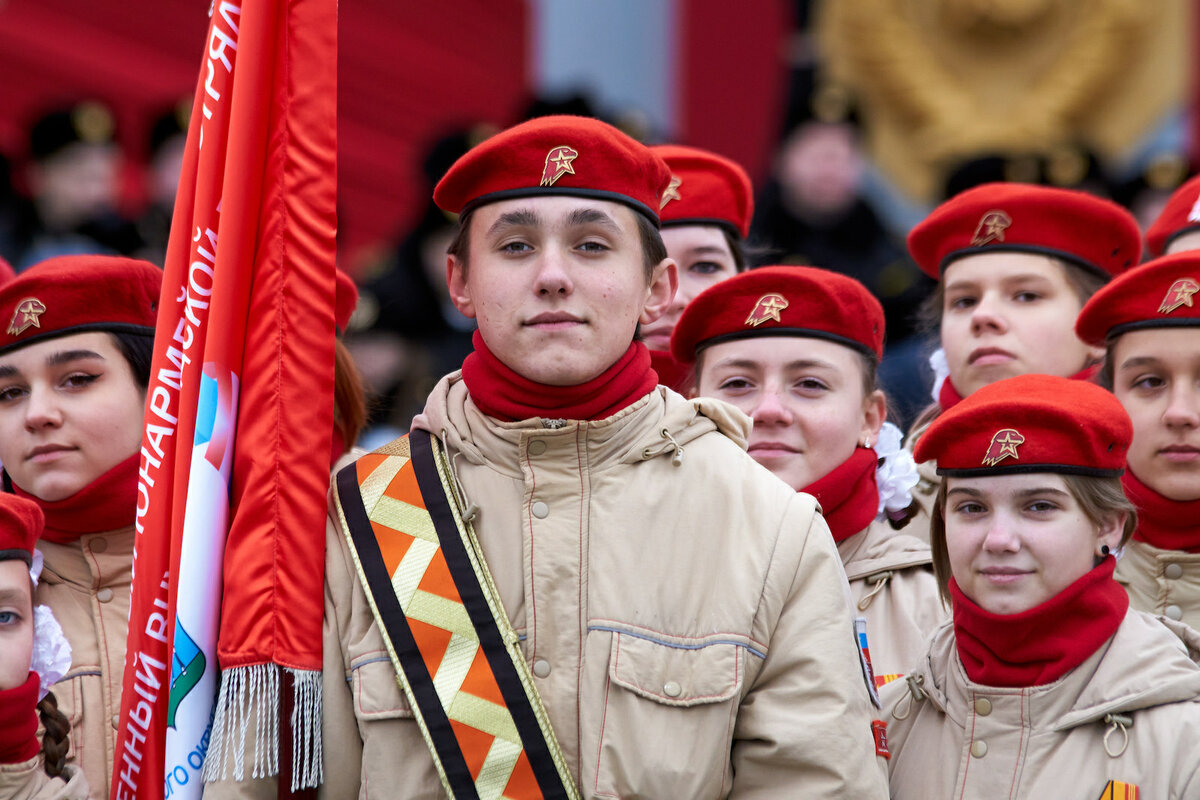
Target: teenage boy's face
{"x": 1156, "y": 376}
{"x": 557, "y": 285}
{"x": 1007, "y": 314}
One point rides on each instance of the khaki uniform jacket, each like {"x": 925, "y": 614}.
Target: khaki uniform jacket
{"x": 951, "y": 738}
{"x": 925, "y": 491}
{"x": 689, "y": 624}
{"x": 1163, "y": 582}
{"x": 893, "y": 587}
{"x": 86, "y": 584}
{"x": 29, "y": 781}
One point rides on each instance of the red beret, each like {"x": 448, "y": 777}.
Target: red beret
{"x": 76, "y": 294}
{"x": 558, "y": 155}
{"x": 345, "y": 300}
{"x": 1157, "y": 294}
{"x": 21, "y": 523}
{"x": 1083, "y": 229}
{"x": 705, "y": 189}
{"x": 1031, "y": 423}
{"x": 781, "y": 301}
{"x": 1180, "y": 215}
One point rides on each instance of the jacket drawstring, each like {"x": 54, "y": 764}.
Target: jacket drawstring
{"x": 677, "y": 458}
{"x": 915, "y": 692}
{"x": 879, "y": 580}
{"x": 469, "y": 510}
{"x": 1115, "y": 721}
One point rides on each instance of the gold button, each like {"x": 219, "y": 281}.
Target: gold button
{"x": 979, "y": 749}
{"x": 541, "y": 668}
{"x": 104, "y": 595}
{"x": 1173, "y": 571}
{"x": 99, "y": 544}
{"x": 983, "y": 706}
{"x": 537, "y": 447}
{"x": 1174, "y": 612}
{"x": 540, "y": 510}
{"x": 672, "y": 689}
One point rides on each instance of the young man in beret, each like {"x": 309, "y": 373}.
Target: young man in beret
{"x": 676, "y": 617}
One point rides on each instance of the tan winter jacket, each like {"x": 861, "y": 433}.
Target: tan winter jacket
{"x": 86, "y": 584}
{"x": 718, "y": 587}
{"x": 29, "y": 781}
{"x": 1163, "y": 582}
{"x": 892, "y": 584}
{"x": 1129, "y": 713}
{"x": 925, "y": 491}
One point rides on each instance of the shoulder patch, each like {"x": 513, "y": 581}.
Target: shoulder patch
{"x": 864, "y": 655}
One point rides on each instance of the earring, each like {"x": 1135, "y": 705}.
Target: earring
{"x": 866, "y": 440}
{"x": 1104, "y": 550}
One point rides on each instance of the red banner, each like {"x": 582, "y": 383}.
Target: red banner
{"x": 248, "y": 298}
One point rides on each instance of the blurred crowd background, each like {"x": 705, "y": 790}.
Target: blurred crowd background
{"x": 853, "y": 117}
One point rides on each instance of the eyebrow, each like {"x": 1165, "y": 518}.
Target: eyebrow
{"x": 1022, "y": 493}
{"x": 591, "y": 216}
{"x": 746, "y": 363}
{"x": 706, "y": 249}
{"x": 515, "y": 219}
{"x": 55, "y": 360}
{"x": 1024, "y": 277}
{"x": 13, "y": 596}
{"x": 1139, "y": 361}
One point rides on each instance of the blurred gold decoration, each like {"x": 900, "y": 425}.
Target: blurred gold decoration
{"x": 937, "y": 81}
{"x": 93, "y": 122}
{"x": 1066, "y": 166}
{"x": 1166, "y": 171}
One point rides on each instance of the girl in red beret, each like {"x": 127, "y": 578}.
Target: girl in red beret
{"x": 1150, "y": 324}
{"x": 1014, "y": 263}
{"x": 75, "y": 351}
{"x": 705, "y": 217}
{"x": 1046, "y": 683}
{"x": 33, "y": 655}
{"x": 796, "y": 349}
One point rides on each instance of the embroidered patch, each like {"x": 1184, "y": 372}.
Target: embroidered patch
{"x": 879, "y": 729}
{"x": 671, "y": 192}
{"x": 27, "y": 313}
{"x": 864, "y": 655}
{"x": 1180, "y": 294}
{"x": 884, "y": 680}
{"x": 1119, "y": 790}
{"x": 767, "y": 308}
{"x": 559, "y": 161}
{"x": 1004, "y": 445}
{"x": 991, "y": 228}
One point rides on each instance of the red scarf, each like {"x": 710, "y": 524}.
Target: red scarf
{"x": 848, "y": 495}
{"x": 949, "y": 397}
{"x": 108, "y": 503}
{"x": 1039, "y": 646}
{"x": 1162, "y": 523}
{"x": 19, "y": 721}
{"x": 503, "y": 394}
{"x": 670, "y": 372}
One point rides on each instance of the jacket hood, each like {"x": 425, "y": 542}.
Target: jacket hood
{"x": 451, "y": 415}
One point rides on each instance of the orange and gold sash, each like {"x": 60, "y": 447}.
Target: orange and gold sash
{"x": 450, "y": 641}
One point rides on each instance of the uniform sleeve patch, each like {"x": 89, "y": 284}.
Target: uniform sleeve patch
{"x": 879, "y": 729}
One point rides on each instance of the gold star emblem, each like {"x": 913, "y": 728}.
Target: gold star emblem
{"x": 26, "y": 315}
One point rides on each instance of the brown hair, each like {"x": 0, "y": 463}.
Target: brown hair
{"x": 349, "y": 399}
{"x": 653, "y": 249}
{"x": 1099, "y": 499}
{"x": 54, "y": 741}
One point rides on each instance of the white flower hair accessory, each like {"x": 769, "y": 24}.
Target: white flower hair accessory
{"x": 51, "y": 650}
{"x": 896, "y": 474}
{"x": 941, "y": 371}
{"x": 35, "y": 567}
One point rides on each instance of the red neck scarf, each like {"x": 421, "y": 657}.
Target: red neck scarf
{"x": 670, "y": 372}
{"x": 19, "y": 721}
{"x": 106, "y": 504}
{"x": 848, "y": 496}
{"x": 503, "y": 394}
{"x": 1162, "y": 523}
{"x": 1039, "y": 646}
{"x": 949, "y": 397}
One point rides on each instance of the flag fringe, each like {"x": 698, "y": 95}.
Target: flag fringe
{"x": 251, "y": 693}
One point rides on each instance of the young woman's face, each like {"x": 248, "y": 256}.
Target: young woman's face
{"x": 1007, "y": 314}
{"x": 1156, "y": 376}
{"x": 1015, "y": 541}
{"x": 16, "y": 623}
{"x": 704, "y": 259}
{"x": 805, "y": 397}
{"x": 70, "y": 410}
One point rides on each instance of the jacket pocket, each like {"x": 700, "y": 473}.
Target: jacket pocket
{"x": 667, "y": 721}
{"x": 376, "y": 690}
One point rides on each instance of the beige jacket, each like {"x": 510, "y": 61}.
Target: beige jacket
{"x": 1129, "y": 713}
{"x": 716, "y": 584}
{"x": 28, "y": 781}
{"x": 1163, "y": 582}
{"x": 86, "y": 584}
{"x": 925, "y": 491}
{"x": 892, "y": 584}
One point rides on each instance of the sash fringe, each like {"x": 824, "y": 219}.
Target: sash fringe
{"x": 251, "y": 694}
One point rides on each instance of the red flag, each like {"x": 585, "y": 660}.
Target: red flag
{"x": 248, "y": 300}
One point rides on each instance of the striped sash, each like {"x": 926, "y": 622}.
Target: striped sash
{"x": 1119, "y": 790}
{"x": 450, "y": 641}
